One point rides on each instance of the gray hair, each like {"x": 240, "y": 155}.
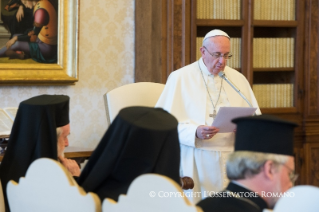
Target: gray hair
{"x": 207, "y": 42}
{"x": 245, "y": 164}
{"x": 59, "y": 131}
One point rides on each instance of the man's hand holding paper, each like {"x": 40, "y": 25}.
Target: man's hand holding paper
{"x": 206, "y": 132}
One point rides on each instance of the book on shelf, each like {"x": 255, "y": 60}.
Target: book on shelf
{"x": 230, "y": 9}
{"x": 273, "y": 52}
{"x": 283, "y": 10}
{"x": 274, "y": 95}
{"x": 218, "y": 9}
{"x": 7, "y": 116}
{"x": 199, "y": 41}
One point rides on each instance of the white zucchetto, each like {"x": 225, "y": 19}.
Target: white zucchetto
{"x": 215, "y": 32}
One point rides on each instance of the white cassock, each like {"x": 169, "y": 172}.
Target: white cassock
{"x": 185, "y": 96}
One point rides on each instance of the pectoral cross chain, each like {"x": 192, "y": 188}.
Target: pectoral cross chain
{"x": 210, "y": 98}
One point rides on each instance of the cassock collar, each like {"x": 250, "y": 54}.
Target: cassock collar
{"x": 257, "y": 200}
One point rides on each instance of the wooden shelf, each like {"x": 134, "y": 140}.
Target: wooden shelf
{"x": 177, "y": 48}
{"x": 271, "y": 23}
{"x": 219, "y": 22}
{"x": 273, "y": 69}
{"x": 278, "y": 110}
{"x": 77, "y": 152}
{"x": 239, "y": 23}
{"x": 248, "y": 29}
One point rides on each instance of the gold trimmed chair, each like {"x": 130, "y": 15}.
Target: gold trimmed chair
{"x": 49, "y": 187}
{"x": 298, "y": 198}
{"x": 151, "y": 192}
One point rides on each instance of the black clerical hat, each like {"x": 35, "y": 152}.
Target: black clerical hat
{"x": 264, "y": 133}
{"x": 147, "y": 118}
{"x": 140, "y": 140}
{"x": 58, "y": 105}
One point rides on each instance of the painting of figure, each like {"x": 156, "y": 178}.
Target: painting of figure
{"x": 33, "y": 26}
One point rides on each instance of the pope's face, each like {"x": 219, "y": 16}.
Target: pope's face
{"x": 215, "y": 45}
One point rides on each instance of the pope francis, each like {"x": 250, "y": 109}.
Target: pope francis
{"x": 194, "y": 94}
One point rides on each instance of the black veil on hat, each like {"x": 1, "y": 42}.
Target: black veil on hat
{"x": 264, "y": 133}
{"x": 140, "y": 140}
{"x": 33, "y": 135}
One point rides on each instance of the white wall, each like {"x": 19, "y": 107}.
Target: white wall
{"x": 106, "y": 49}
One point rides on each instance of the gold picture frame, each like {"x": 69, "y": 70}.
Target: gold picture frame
{"x": 66, "y": 70}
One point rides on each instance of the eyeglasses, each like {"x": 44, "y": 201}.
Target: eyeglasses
{"x": 292, "y": 175}
{"x": 218, "y": 55}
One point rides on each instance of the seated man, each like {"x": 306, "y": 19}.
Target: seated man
{"x": 34, "y": 135}
{"x": 140, "y": 140}
{"x": 260, "y": 169}
{"x": 63, "y": 141}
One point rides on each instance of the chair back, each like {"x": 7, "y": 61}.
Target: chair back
{"x": 299, "y": 198}
{"x": 49, "y": 187}
{"x": 135, "y": 94}
{"x": 151, "y": 192}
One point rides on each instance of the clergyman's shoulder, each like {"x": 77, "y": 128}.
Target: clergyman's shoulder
{"x": 186, "y": 70}
{"x": 224, "y": 204}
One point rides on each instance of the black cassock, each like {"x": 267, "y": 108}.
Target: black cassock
{"x": 250, "y": 203}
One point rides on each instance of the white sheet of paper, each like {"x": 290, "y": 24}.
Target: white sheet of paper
{"x": 226, "y": 114}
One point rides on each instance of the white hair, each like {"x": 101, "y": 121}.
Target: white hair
{"x": 59, "y": 131}
{"x": 207, "y": 42}
{"x": 246, "y": 164}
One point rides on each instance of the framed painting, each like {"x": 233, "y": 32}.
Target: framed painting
{"x": 45, "y": 53}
